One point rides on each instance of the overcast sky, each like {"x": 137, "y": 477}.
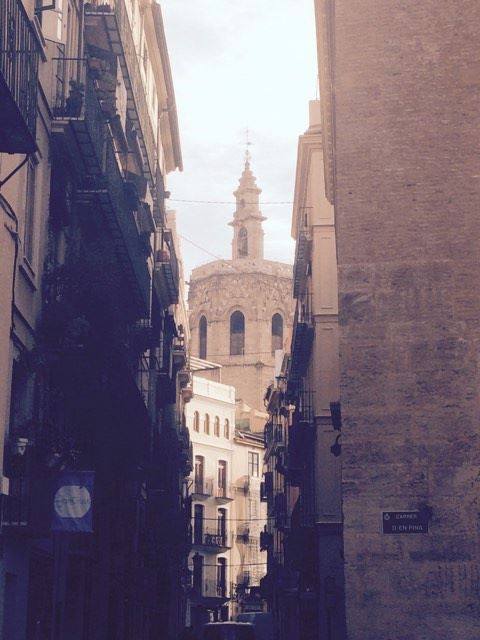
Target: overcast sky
{"x": 238, "y": 64}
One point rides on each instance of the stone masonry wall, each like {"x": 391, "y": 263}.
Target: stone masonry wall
{"x": 258, "y": 289}
{"x": 407, "y": 126}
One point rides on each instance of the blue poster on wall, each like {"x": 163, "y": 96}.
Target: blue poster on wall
{"x": 73, "y": 502}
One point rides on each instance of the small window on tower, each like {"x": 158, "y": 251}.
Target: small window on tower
{"x": 202, "y": 330}
{"x": 242, "y": 243}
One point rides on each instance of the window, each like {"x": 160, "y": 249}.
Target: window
{"x": 216, "y": 427}
{"x": 206, "y": 423}
{"x": 222, "y": 523}
{"x": 202, "y": 338}
{"x": 253, "y": 464}
{"x": 277, "y": 332}
{"x": 196, "y": 421}
{"x": 197, "y": 572}
{"x": 222, "y": 479}
{"x": 226, "y": 429}
{"x": 199, "y": 471}
{"x": 22, "y": 396}
{"x": 242, "y": 243}
{"x": 237, "y": 333}
{"x": 28, "y": 235}
{"x": 198, "y": 524}
{"x": 222, "y": 577}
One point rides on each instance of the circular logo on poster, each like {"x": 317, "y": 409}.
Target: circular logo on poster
{"x": 72, "y": 501}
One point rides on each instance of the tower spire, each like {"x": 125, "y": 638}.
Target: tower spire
{"x": 247, "y": 218}
{"x": 248, "y": 143}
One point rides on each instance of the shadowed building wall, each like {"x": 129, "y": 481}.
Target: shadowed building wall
{"x": 399, "y": 86}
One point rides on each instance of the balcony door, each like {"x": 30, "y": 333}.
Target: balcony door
{"x": 197, "y": 573}
{"x": 222, "y": 577}
{"x": 222, "y": 478}
{"x": 222, "y": 524}
{"x": 198, "y": 524}
{"x": 199, "y": 473}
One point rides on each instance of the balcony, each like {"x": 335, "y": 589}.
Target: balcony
{"x": 267, "y": 492}
{"x": 19, "y": 53}
{"x": 280, "y": 512}
{"x": 166, "y": 272}
{"x": 202, "y": 489}
{"x": 79, "y": 124}
{"x": 26, "y": 510}
{"x": 185, "y": 450}
{"x": 302, "y": 341}
{"x": 211, "y": 540}
{"x": 302, "y": 259}
{"x": 266, "y": 540}
{"x": 243, "y": 532}
{"x": 224, "y": 493}
{"x": 107, "y": 27}
{"x": 210, "y": 593}
{"x": 179, "y": 353}
{"x": 243, "y": 484}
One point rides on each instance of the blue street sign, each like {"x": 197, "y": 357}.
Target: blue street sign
{"x": 73, "y": 502}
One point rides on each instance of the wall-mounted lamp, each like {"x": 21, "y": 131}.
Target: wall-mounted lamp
{"x": 336, "y": 448}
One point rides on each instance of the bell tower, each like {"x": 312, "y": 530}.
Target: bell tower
{"x": 247, "y": 219}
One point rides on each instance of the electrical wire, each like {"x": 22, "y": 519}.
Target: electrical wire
{"x": 205, "y": 250}
{"x": 230, "y": 566}
{"x": 238, "y": 519}
{"x": 279, "y": 202}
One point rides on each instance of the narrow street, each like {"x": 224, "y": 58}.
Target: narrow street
{"x": 239, "y": 320}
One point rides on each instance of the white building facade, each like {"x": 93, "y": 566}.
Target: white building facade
{"x": 210, "y": 419}
{"x": 227, "y": 515}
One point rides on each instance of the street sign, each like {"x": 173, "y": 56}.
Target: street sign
{"x": 404, "y": 522}
{"x": 72, "y": 502}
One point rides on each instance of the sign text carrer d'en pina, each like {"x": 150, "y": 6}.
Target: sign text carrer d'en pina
{"x": 404, "y": 522}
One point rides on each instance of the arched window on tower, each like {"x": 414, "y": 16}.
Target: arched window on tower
{"x": 277, "y": 332}
{"x": 237, "y": 333}
{"x": 242, "y": 243}
{"x": 196, "y": 421}
{"x": 202, "y": 338}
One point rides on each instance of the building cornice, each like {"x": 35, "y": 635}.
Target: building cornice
{"x": 324, "y": 19}
{"x": 307, "y": 144}
{"x": 170, "y": 108}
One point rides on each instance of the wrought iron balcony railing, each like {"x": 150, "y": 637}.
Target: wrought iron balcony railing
{"x": 78, "y": 117}
{"x": 302, "y": 341}
{"x": 224, "y": 492}
{"x": 202, "y": 488}
{"x": 243, "y": 531}
{"x": 302, "y": 258}
{"x": 213, "y": 539}
{"x": 107, "y": 24}
{"x": 16, "y": 506}
{"x": 266, "y": 540}
{"x": 210, "y": 589}
{"x": 166, "y": 270}
{"x": 19, "y": 53}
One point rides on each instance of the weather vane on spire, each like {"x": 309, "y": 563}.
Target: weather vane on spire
{"x": 248, "y": 144}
